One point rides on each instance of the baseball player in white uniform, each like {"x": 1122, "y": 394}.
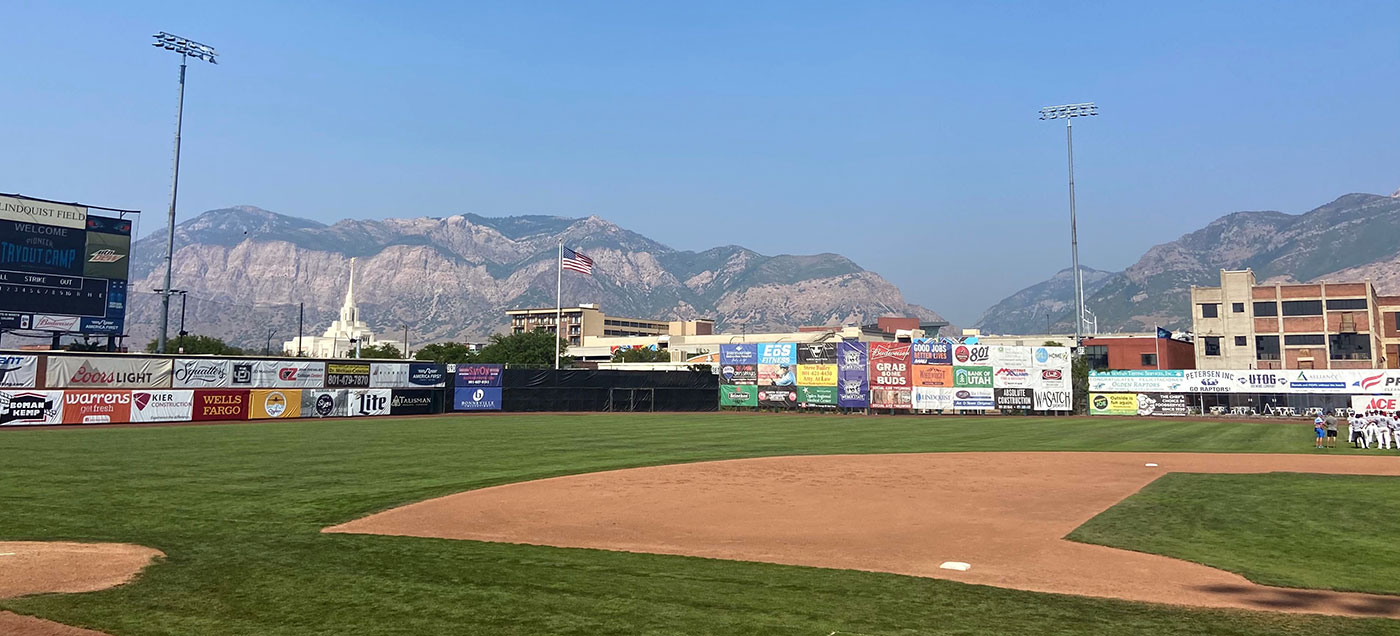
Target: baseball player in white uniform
{"x": 1395, "y": 429}
{"x": 1373, "y": 426}
{"x": 1360, "y": 426}
{"x": 1383, "y": 430}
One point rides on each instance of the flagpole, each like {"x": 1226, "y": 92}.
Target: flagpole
{"x": 558, "y": 301}
{"x": 1157, "y": 339}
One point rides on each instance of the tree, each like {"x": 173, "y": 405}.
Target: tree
{"x": 534, "y": 347}
{"x": 381, "y": 350}
{"x": 641, "y": 354}
{"x": 1079, "y": 379}
{"x": 197, "y": 345}
{"x": 445, "y": 353}
{"x": 1052, "y": 343}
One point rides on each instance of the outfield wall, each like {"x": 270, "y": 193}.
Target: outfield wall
{"x": 1174, "y": 392}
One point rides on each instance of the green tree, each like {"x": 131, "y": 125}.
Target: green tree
{"x": 1052, "y": 343}
{"x": 381, "y": 350}
{"x": 641, "y": 354}
{"x": 445, "y": 353}
{"x": 534, "y": 347}
{"x": 1079, "y": 381}
{"x": 198, "y": 345}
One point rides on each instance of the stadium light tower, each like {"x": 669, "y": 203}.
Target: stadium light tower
{"x": 186, "y": 48}
{"x": 1068, "y": 112}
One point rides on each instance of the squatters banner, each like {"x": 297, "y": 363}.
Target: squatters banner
{"x": 18, "y": 372}
{"x": 108, "y": 373}
{"x": 265, "y": 404}
{"x": 168, "y": 405}
{"x": 31, "y": 408}
{"x": 852, "y": 380}
{"x": 889, "y": 375}
{"x": 96, "y": 407}
{"x": 202, "y": 373}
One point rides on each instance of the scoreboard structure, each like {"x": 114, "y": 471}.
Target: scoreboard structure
{"x": 63, "y": 269}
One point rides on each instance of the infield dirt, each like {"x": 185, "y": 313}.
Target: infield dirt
{"x": 35, "y": 567}
{"x": 1004, "y": 513}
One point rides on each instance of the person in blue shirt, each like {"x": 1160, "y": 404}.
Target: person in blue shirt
{"x": 1320, "y": 429}
{"x": 786, "y": 377}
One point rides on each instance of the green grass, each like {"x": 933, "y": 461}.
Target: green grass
{"x": 238, "y": 510}
{"x": 1285, "y": 529}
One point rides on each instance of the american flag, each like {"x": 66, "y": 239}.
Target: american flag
{"x": 577, "y": 262}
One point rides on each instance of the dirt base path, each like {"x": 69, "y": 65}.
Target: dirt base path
{"x": 1003, "y": 513}
{"x": 34, "y": 567}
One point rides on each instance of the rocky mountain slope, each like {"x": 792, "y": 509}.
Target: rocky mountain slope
{"x": 247, "y": 269}
{"x": 1032, "y": 309}
{"x": 1351, "y": 238}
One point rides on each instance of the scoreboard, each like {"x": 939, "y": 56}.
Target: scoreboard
{"x": 61, "y": 268}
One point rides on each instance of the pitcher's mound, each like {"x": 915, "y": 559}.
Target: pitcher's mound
{"x": 38, "y": 567}
{"x": 1005, "y": 513}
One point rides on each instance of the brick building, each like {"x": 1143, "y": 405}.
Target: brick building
{"x": 588, "y": 321}
{"x": 1137, "y": 351}
{"x": 1244, "y": 325}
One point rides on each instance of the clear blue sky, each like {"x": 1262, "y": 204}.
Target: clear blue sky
{"x": 902, "y": 135}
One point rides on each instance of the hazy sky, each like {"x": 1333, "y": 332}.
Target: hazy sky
{"x": 902, "y": 135}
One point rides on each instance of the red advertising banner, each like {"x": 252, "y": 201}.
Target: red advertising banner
{"x": 96, "y": 407}
{"x": 889, "y": 364}
{"x": 227, "y": 404}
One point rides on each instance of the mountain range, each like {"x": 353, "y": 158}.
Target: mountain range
{"x": 1354, "y": 237}
{"x": 248, "y": 272}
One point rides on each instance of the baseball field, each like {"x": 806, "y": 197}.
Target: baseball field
{"x": 435, "y": 530}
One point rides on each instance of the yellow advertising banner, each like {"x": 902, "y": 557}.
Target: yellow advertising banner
{"x": 816, "y": 375}
{"x": 284, "y": 403}
{"x": 933, "y": 375}
{"x": 1113, "y": 404}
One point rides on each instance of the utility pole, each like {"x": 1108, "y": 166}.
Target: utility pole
{"x": 301, "y": 321}
{"x": 1068, "y": 112}
{"x": 186, "y": 48}
{"x": 405, "y": 341}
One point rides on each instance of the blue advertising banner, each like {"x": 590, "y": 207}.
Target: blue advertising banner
{"x": 931, "y": 351}
{"x": 427, "y": 374}
{"x": 852, "y": 375}
{"x": 480, "y": 398}
{"x": 778, "y": 353}
{"x": 478, "y": 375}
{"x": 738, "y": 354}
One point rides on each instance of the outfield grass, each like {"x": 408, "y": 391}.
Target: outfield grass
{"x": 238, "y": 510}
{"x": 1285, "y": 529}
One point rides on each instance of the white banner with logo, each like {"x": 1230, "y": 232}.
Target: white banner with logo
{"x": 19, "y": 372}
{"x": 162, "y": 406}
{"x": 1014, "y": 377}
{"x": 369, "y": 402}
{"x": 1053, "y": 400}
{"x": 1053, "y": 357}
{"x": 931, "y": 398}
{"x": 389, "y": 375}
{"x": 1011, "y": 356}
{"x": 1138, "y": 381}
{"x": 31, "y": 408}
{"x": 1050, "y": 379}
{"x": 282, "y": 374}
{"x": 43, "y": 212}
{"x": 116, "y": 372}
{"x": 202, "y": 373}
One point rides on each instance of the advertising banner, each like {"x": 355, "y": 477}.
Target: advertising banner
{"x": 1261, "y": 382}
{"x": 162, "y": 406}
{"x": 96, "y": 407}
{"x": 928, "y": 398}
{"x": 416, "y": 401}
{"x": 280, "y": 374}
{"x": 974, "y": 399}
{"x": 932, "y": 375}
{"x": 891, "y": 397}
{"x": 1366, "y": 403}
{"x": 1054, "y": 400}
{"x": 325, "y": 403}
{"x": 972, "y": 355}
{"x": 367, "y": 402}
{"x": 388, "y": 375}
{"x": 816, "y": 375}
{"x": 817, "y": 395}
{"x": 851, "y": 375}
{"x": 1162, "y": 404}
{"x": 738, "y": 354}
{"x": 427, "y": 375}
{"x": 1134, "y": 381}
{"x": 742, "y": 374}
{"x": 777, "y": 396}
{"x": 117, "y": 372}
{"x": 816, "y": 353}
{"x": 19, "y": 372}
{"x": 889, "y": 365}
{"x": 1050, "y": 379}
{"x": 43, "y": 212}
{"x": 1113, "y": 404}
{"x": 202, "y": 373}
{"x": 778, "y": 353}
{"x": 738, "y": 395}
{"x": 220, "y": 404}
{"x": 1009, "y": 356}
{"x": 347, "y": 375}
{"x": 476, "y": 398}
{"x": 479, "y": 375}
{"x": 1197, "y": 381}
{"x": 41, "y": 249}
{"x": 270, "y": 404}
{"x": 1053, "y": 357}
{"x": 777, "y": 364}
{"x": 931, "y": 351}
{"x": 1013, "y": 398}
{"x": 972, "y": 377}
{"x": 105, "y": 255}
{"x": 31, "y": 408}
{"x": 1013, "y": 378}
